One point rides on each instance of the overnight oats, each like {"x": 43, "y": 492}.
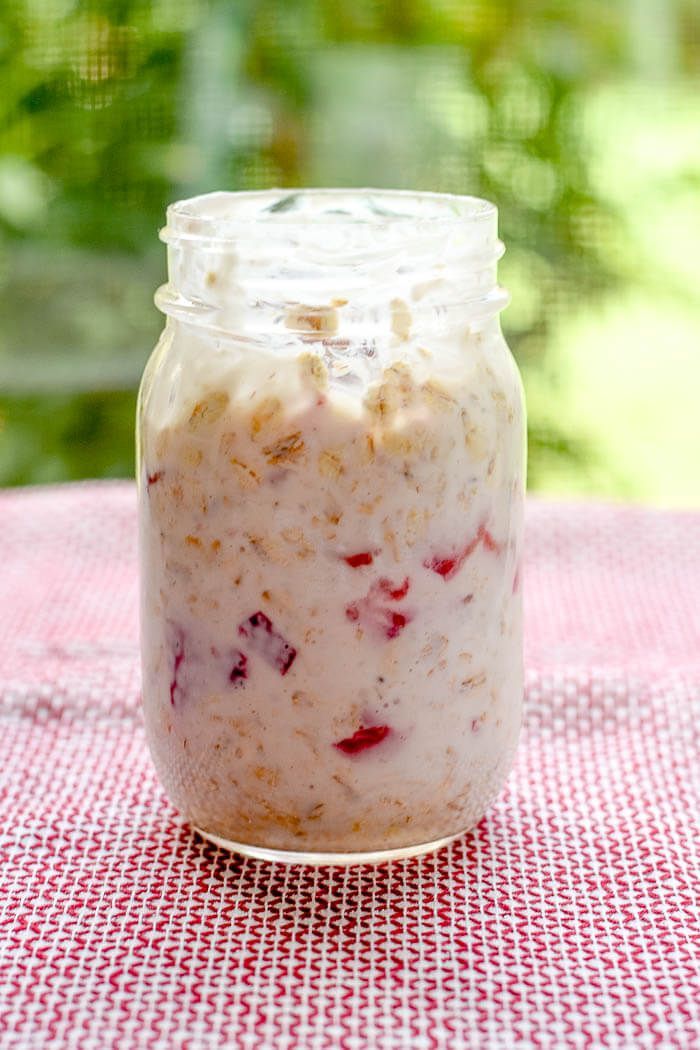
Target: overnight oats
{"x": 331, "y": 461}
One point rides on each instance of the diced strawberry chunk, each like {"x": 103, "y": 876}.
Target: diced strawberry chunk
{"x": 268, "y": 642}
{"x": 398, "y": 622}
{"x": 442, "y": 566}
{"x": 239, "y": 671}
{"x": 362, "y": 739}
{"x": 151, "y": 479}
{"x": 488, "y": 541}
{"x": 387, "y": 589}
{"x": 356, "y": 560}
{"x": 449, "y": 565}
{"x": 373, "y": 612}
{"x": 178, "y": 657}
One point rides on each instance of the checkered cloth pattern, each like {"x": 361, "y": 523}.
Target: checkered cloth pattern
{"x": 568, "y": 918}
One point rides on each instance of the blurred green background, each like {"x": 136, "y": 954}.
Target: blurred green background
{"x": 581, "y": 120}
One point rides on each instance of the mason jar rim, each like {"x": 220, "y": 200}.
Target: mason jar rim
{"x": 219, "y": 214}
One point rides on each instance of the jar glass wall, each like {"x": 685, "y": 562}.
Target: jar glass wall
{"x": 331, "y": 471}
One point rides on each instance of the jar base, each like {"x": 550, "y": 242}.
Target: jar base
{"x": 318, "y": 859}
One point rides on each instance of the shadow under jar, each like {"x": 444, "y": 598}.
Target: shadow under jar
{"x": 330, "y": 472}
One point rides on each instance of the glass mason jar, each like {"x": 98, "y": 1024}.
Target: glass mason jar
{"x": 330, "y": 472}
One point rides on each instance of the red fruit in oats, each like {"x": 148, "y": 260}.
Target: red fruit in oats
{"x": 268, "y": 642}
{"x": 488, "y": 540}
{"x": 449, "y": 565}
{"x": 373, "y": 612}
{"x": 362, "y": 739}
{"x": 356, "y": 560}
{"x": 386, "y": 589}
{"x": 442, "y": 566}
{"x": 151, "y": 479}
{"x": 178, "y": 657}
{"x": 398, "y": 622}
{"x": 239, "y": 671}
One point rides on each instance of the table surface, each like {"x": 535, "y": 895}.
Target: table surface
{"x": 568, "y": 918}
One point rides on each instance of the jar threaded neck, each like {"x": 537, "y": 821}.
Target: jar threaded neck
{"x": 331, "y": 264}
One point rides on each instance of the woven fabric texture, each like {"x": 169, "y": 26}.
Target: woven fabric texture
{"x": 568, "y": 918}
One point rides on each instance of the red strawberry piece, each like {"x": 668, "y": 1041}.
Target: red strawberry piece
{"x": 268, "y": 642}
{"x": 442, "y": 566}
{"x": 239, "y": 671}
{"x": 151, "y": 479}
{"x": 356, "y": 560}
{"x": 449, "y": 565}
{"x": 178, "y": 657}
{"x": 488, "y": 541}
{"x": 373, "y": 612}
{"x": 387, "y": 589}
{"x": 362, "y": 739}
{"x": 398, "y": 622}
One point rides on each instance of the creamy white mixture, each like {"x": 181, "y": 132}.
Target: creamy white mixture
{"x": 331, "y": 540}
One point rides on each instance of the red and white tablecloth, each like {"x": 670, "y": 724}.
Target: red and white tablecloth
{"x": 568, "y": 918}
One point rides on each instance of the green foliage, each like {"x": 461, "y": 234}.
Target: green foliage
{"x": 66, "y": 437}
{"x": 112, "y": 108}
